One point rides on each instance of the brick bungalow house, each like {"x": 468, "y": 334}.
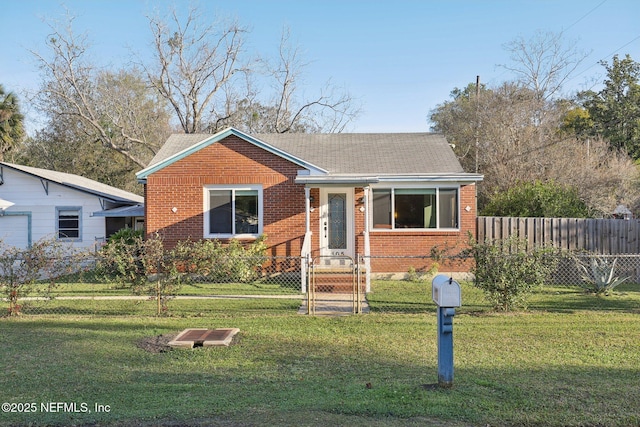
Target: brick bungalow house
{"x": 316, "y": 195}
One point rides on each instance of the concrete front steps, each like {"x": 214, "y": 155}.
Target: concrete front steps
{"x": 333, "y": 280}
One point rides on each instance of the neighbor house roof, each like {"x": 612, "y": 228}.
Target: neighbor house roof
{"x": 79, "y": 183}
{"x": 344, "y": 157}
{"x": 133, "y": 210}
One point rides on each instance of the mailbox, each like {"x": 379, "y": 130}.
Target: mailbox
{"x": 445, "y": 291}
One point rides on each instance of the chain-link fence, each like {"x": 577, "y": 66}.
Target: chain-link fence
{"x": 283, "y": 285}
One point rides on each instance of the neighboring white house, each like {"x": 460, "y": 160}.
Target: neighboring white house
{"x": 38, "y": 203}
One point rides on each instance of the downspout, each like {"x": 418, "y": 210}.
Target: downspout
{"x": 21, "y": 213}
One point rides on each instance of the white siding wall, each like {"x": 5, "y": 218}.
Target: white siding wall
{"x": 13, "y": 231}
{"x": 29, "y": 195}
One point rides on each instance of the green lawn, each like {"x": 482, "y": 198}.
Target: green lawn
{"x": 197, "y": 289}
{"x": 570, "y": 360}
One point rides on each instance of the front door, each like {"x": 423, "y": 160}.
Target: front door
{"x": 336, "y": 222}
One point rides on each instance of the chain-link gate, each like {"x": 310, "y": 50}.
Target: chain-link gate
{"x": 335, "y": 285}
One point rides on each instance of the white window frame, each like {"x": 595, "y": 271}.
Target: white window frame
{"x": 392, "y": 189}
{"x": 233, "y": 188}
{"x": 69, "y": 208}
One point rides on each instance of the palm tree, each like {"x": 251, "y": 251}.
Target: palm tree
{"x": 11, "y": 122}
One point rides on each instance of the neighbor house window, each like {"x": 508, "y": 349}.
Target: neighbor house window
{"x": 415, "y": 208}
{"x": 232, "y": 212}
{"x": 69, "y": 223}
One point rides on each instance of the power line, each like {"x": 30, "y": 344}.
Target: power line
{"x": 603, "y": 58}
{"x": 561, "y": 33}
{"x": 606, "y": 57}
{"x": 583, "y": 16}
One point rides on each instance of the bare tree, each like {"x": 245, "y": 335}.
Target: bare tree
{"x": 603, "y": 177}
{"x": 329, "y": 111}
{"x": 198, "y": 77}
{"x": 194, "y": 63}
{"x": 514, "y": 147}
{"x": 201, "y": 72}
{"x": 116, "y": 110}
{"x": 544, "y": 62}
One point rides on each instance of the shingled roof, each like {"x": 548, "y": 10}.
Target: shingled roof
{"x": 79, "y": 183}
{"x": 371, "y": 153}
{"x": 337, "y": 154}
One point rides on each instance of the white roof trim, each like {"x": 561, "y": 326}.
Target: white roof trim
{"x": 336, "y": 179}
{"x": 458, "y": 177}
{"x": 368, "y": 179}
{"x": 143, "y": 174}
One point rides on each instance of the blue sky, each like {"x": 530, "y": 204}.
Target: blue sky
{"x": 399, "y": 58}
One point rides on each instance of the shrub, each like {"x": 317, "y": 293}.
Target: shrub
{"x": 212, "y": 261}
{"x": 507, "y": 272}
{"x": 22, "y": 269}
{"x": 143, "y": 265}
{"x": 125, "y": 236}
{"x": 598, "y": 274}
{"x": 538, "y": 199}
{"x": 119, "y": 260}
{"x": 162, "y": 276}
{"x": 148, "y": 268}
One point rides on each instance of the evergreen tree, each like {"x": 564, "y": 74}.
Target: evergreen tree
{"x": 11, "y": 122}
{"x": 615, "y": 110}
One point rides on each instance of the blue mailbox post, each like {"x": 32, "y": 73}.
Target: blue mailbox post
{"x": 446, "y": 294}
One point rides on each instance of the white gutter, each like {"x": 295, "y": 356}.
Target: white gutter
{"x": 336, "y": 180}
{"x": 364, "y": 180}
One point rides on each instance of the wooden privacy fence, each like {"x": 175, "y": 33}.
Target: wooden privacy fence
{"x": 602, "y": 236}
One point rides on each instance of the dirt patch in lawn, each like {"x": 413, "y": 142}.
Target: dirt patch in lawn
{"x": 157, "y": 344}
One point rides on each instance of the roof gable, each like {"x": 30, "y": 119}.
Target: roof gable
{"x": 179, "y": 146}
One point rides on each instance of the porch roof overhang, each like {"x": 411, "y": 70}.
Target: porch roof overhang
{"x": 320, "y": 180}
{"x": 123, "y": 211}
{"x": 364, "y": 180}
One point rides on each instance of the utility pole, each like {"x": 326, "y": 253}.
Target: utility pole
{"x": 477, "y": 118}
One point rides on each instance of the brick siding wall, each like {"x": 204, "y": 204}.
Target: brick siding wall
{"x": 235, "y": 161}
{"x": 230, "y": 161}
{"x": 419, "y": 243}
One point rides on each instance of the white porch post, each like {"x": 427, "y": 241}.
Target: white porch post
{"x": 367, "y": 247}
{"x": 307, "y": 209}
{"x": 306, "y": 243}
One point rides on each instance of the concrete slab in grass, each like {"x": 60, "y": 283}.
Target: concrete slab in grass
{"x": 194, "y": 337}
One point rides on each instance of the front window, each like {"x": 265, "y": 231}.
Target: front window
{"x": 232, "y": 212}
{"x": 68, "y": 223}
{"x": 415, "y": 208}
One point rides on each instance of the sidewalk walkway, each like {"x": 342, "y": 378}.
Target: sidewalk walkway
{"x": 333, "y": 304}
{"x": 327, "y": 303}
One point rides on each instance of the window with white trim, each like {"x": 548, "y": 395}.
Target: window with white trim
{"x": 69, "y": 223}
{"x": 415, "y": 208}
{"x": 232, "y": 211}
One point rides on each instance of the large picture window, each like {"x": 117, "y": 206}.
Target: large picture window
{"x": 69, "y": 223}
{"x": 415, "y": 208}
{"x": 233, "y": 212}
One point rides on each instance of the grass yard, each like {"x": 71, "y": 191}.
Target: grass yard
{"x": 197, "y": 289}
{"x": 570, "y": 360}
